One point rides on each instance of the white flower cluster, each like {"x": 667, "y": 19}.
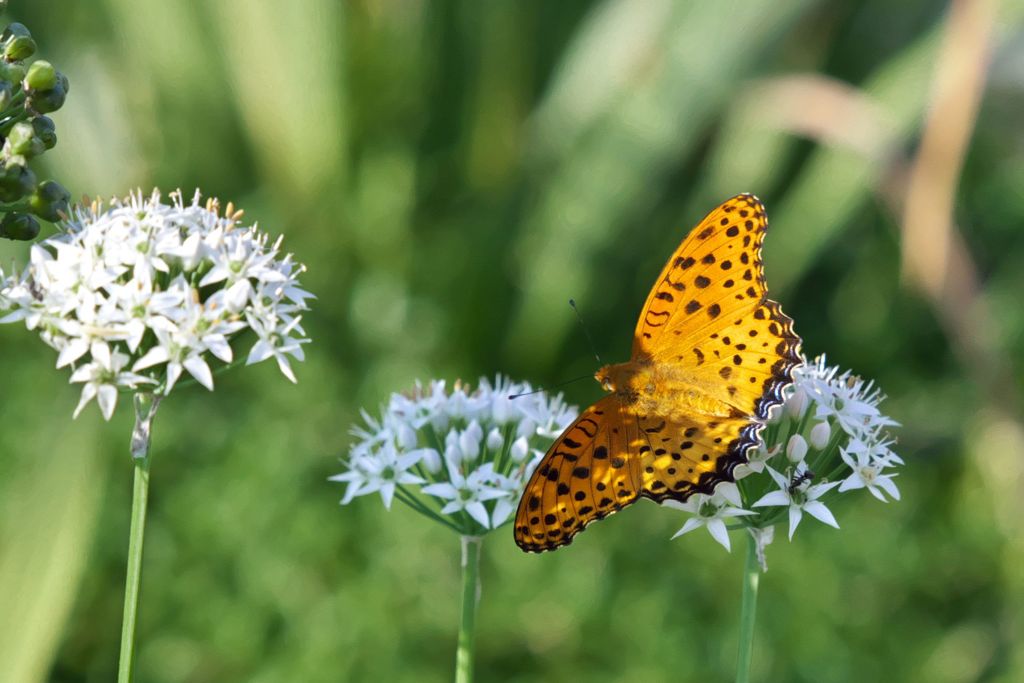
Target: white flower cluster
{"x": 829, "y": 437}
{"x": 461, "y": 457}
{"x": 133, "y": 294}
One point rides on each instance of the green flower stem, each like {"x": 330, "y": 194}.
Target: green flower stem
{"x": 748, "y": 609}
{"x": 470, "y": 598}
{"x": 8, "y": 123}
{"x": 410, "y": 499}
{"x": 145, "y": 408}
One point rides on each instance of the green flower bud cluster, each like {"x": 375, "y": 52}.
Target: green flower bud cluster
{"x": 29, "y": 90}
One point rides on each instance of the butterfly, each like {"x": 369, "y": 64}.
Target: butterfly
{"x": 711, "y": 357}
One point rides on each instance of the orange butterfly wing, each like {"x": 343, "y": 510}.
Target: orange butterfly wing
{"x": 589, "y": 473}
{"x": 707, "y": 319}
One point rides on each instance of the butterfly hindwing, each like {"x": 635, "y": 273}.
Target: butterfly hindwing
{"x": 591, "y": 471}
{"x": 692, "y": 455}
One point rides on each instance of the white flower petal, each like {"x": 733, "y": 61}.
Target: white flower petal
{"x": 730, "y": 493}
{"x": 441, "y": 490}
{"x": 889, "y": 486}
{"x": 107, "y": 398}
{"x": 286, "y": 368}
{"x": 818, "y": 510}
{"x": 795, "y": 513}
{"x": 478, "y": 512}
{"x": 387, "y": 493}
{"x": 155, "y": 356}
{"x": 688, "y": 526}
{"x": 88, "y": 392}
{"x": 772, "y": 498}
{"x": 503, "y": 509}
{"x": 72, "y": 351}
{"x": 716, "y": 528}
{"x": 851, "y": 482}
{"x": 198, "y": 368}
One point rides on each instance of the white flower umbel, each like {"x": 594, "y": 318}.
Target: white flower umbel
{"x": 830, "y": 437}
{"x": 136, "y": 294}
{"x": 460, "y": 456}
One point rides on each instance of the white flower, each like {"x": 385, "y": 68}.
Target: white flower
{"x": 163, "y": 287}
{"x": 849, "y": 400}
{"x": 467, "y": 492}
{"x": 866, "y": 470}
{"x": 103, "y": 377}
{"x": 711, "y": 512}
{"x": 756, "y": 460}
{"x": 276, "y": 341}
{"x": 479, "y": 444}
{"x": 800, "y": 496}
{"x": 830, "y": 411}
{"x": 382, "y": 472}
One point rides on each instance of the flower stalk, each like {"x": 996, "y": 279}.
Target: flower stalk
{"x": 460, "y": 456}
{"x": 145, "y": 409}
{"x": 470, "y": 600}
{"x": 748, "y": 610}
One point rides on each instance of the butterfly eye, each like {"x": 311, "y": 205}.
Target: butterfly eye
{"x": 606, "y": 384}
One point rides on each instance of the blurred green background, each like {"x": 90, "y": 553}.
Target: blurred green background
{"x": 453, "y": 172}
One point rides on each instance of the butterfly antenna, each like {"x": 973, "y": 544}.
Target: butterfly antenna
{"x": 586, "y": 332}
{"x": 556, "y": 386}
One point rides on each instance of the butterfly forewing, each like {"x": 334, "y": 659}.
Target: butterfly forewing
{"x": 714, "y": 275}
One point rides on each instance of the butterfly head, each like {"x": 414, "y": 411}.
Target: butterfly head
{"x": 613, "y": 378}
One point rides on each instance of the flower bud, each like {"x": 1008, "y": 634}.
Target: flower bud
{"x": 502, "y": 410}
{"x": 14, "y": 29}
{"x": 19, "y": 48}
{"x": 469, "y": 440}
{"x": 527, "y": 428}
{"x": 13, "y": 74}
{"x": 820, "y": 435}
{"x": 45, "y": 101}
{"x": 431, "y": 460}
{"x": 520, "y": 449}
{"x": 44, "y": 129}
{"x": 405, "y": 436}
{"x": 50, "y": 201}
{"x": 796, "y": 449}
{"x": 16, "y": 182}
{"x": 797, "y": 404}
{"x": 23, "y": 141}
{"x": 19, "y": 226}
{"x": 494, "y": 440}
{"x": 41, "y": 76}
{"x": 452, "y": 452}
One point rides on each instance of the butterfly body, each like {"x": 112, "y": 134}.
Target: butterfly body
{"x": 711, "y": 357}
{"x": 665, "y": 390}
